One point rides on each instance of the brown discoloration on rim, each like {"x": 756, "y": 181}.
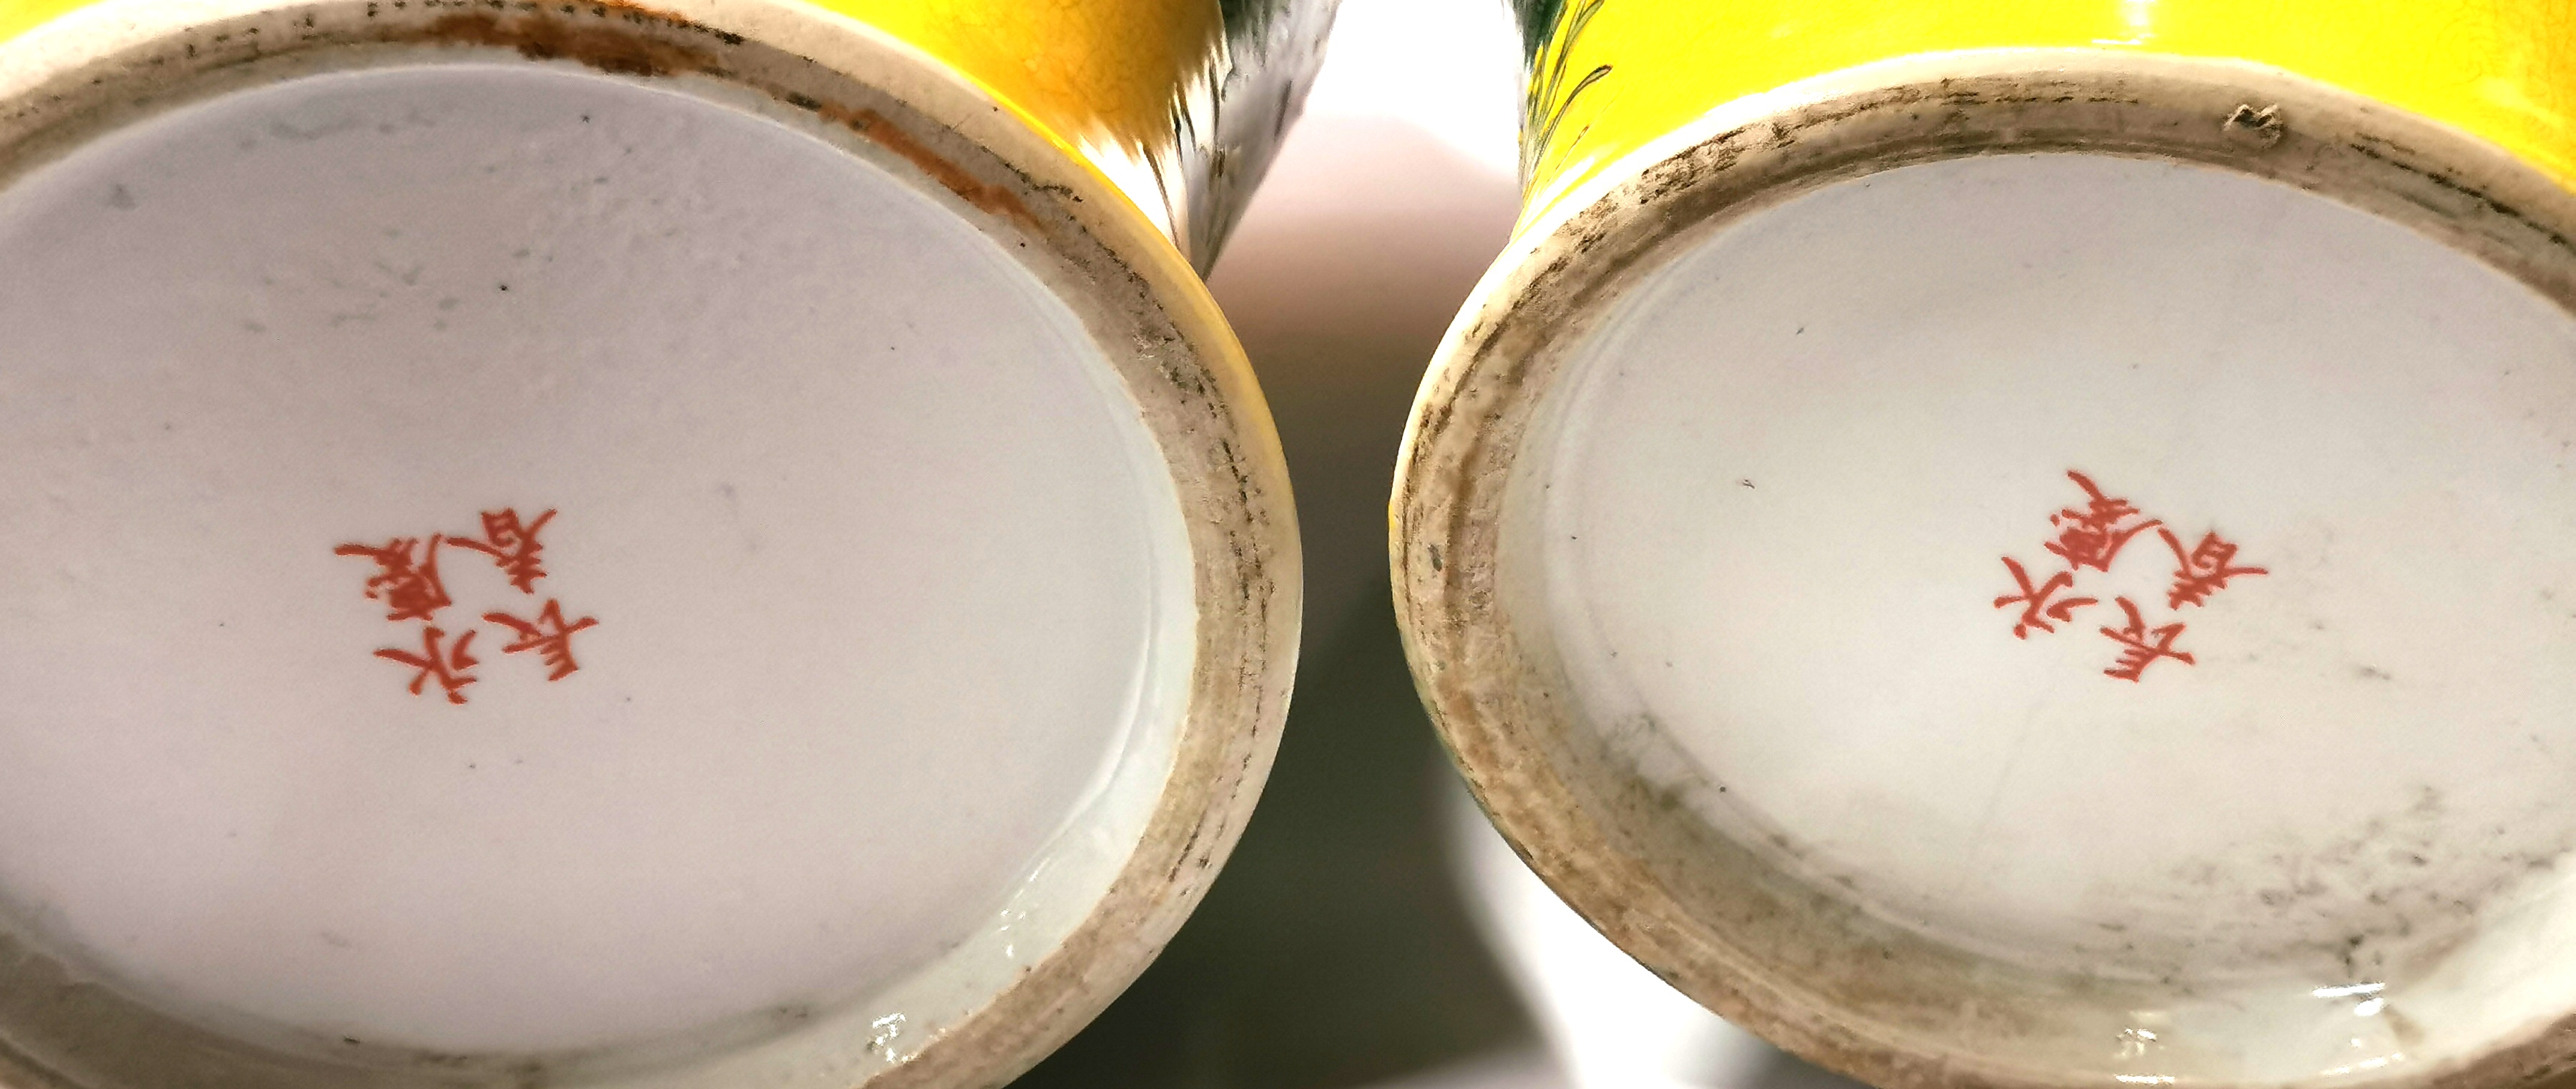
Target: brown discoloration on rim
{"x": 609, "y": 42}
{"x": 62, "y": 1027}
{"x": 602, "y": 44}
{"x": 993, "y": 199}
{"x": 1726, "y": 921}
{"x": 609, "y": 36}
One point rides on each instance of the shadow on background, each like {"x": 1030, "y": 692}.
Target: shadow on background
{"x": 1334, "y": 949}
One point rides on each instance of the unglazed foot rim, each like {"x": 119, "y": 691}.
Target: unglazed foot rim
{"x": 102, "y": 68}
{"x": 1802, "y": 967}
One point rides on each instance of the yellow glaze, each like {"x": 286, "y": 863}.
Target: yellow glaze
{"x": 1105, "y": 73}
{"x": 18, "y": 16}
{"x": 1616, "y": 74}
{"x": 1103, "y": 79}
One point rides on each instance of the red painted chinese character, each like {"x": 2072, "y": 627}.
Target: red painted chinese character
{"x": 2037, "y": 609}
{"x": 549, "y": 636}
{"x": 448, "y": 670}
{"x": 2092, "y": 536}
{"x": 511, "y": 545}
{"x": 412, "y": 591}
{"x": 2140, "y": 652}
{"x": 2204, "y": 570}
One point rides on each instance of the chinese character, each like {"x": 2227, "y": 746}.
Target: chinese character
{"x": 2204, "y": 569}
{"x": 2092, "y": 536}
{"x": 2037, "y": 610}
{"x": 2140, "y": 652}
{"x": 412, "y": 592}
{"x": 549, "y": 636}
{"x": 511, "y": 545}
{"x": 448, "y": 671}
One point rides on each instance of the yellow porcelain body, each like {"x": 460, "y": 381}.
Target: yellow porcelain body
{"x": 1105, "y": 81}
{"x": 1135, "y": 87}
{"x": 1088, "y": 73}
{"x": 1608, "y": 76}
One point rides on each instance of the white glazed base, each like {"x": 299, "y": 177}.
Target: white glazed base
{"x": 883, "y": 487}
{"x": 1783, "y": 474}
{"x": 1702, "y": 533}
{"x": 874, "y": 549}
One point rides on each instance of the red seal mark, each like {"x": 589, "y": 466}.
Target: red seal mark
{"x": 408, "y": 583}
{"x": 511, "y": 545}
{"x": 2203, "y": 571}
{"x": 2090, "y": 537}
{"x": 410, "y": 588}
{"x": 2037, "y": 610}
{"x": 548, "y": 635}
{"x": 447, "y": 669}
{"x": 2140, "y": 653}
